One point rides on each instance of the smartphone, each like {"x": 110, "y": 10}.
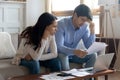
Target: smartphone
{"x": 64, "y": 74}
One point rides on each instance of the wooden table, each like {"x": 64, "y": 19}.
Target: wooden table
{"x": 104, "y": 73}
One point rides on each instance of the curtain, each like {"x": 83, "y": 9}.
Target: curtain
{"x": 48, "y": 6}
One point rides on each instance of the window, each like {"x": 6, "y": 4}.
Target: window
{"x": 60, "y": 9}
{"x": 57, "y": 5}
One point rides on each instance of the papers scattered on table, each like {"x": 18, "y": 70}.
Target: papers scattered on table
{"x": 74, "y": 73}
{"x": 77, "y": 72}
{"x": 96, "y": 47}
{"x": 53, "y": 76}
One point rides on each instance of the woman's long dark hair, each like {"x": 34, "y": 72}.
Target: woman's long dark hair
{"x": 34, "y": 33}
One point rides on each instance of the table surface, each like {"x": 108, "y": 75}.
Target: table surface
{"x": 37, "y": 77}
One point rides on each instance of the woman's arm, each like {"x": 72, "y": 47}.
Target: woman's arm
{"x": 53, "y": 50}
{"x": 20, "y": 53}
{"x": 41, "y": 55}
{"x": 36, "y": 55}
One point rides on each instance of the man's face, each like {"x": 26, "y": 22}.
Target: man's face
{"x": 79, "y": 21}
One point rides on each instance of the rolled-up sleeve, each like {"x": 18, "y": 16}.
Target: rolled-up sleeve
{"x": 40, "y": 54}
{"x": 88, "y": 38}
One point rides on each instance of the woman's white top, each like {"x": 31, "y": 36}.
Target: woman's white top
{"x": 39, "y": 54}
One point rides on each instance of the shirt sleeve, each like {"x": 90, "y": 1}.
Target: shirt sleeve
{"x": 88, "y": 38}
{"x": 21, "y": 48}
{"x": 41, "y": 55}
{"x": 60, "y": 41}
{"x": 53, "y": 50}
{"x": 37, "y": 54}
{"x": 20, "y": 53}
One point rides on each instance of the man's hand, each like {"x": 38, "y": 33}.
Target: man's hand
{"x": 80, "y": 53}
{"x": 92, "y": 27}
{"x": 28, "y": 57}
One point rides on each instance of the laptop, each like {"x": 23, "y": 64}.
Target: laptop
{"x": 102, "y": 63}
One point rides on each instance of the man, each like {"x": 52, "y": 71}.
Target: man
{"x": 70, "y": 31}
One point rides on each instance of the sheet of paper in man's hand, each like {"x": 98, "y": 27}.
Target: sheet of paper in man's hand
{"x": 96, "y": 47}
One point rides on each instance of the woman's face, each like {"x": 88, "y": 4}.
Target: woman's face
{"x": 52, "y": 28}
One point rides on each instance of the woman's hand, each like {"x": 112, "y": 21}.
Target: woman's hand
{"x": 80, "y": 53}
{"x": 28, "y": 57}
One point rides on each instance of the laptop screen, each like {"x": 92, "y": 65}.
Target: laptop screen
{"x": 103, "y": 62}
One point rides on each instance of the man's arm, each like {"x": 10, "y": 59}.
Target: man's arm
{"x": 60, "y": 41}
{"x": 89, "y": 36}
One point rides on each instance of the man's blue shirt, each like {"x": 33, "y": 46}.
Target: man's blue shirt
{"x": 67, "y": 37}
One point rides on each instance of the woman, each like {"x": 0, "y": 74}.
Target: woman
{"x": 38, "y": 44}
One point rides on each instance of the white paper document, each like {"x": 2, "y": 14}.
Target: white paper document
{"x": 53, "y": 76}
{"x": 72, "y": 72}
{"x": 96, "y": 47}
{"x": 77, "y": 72}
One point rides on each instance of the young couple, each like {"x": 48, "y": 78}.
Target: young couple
{"x": 53, "y": 44}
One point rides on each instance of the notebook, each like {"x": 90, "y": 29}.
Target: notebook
{"x": 102, "y": 63}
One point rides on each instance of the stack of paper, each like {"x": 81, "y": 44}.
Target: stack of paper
{"x": 96, "y": 47}
{"x": 53, "y": 76}
{"x": 73, "y": 72}
{"x": 77, "y": 72}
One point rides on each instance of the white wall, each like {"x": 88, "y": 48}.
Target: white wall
{"x": 115, "y": 21}
{"x": 34, "y": 8}
{"x": 115, "y": 14}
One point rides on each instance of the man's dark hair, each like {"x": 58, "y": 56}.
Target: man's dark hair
{"x": 83, "y": 10}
